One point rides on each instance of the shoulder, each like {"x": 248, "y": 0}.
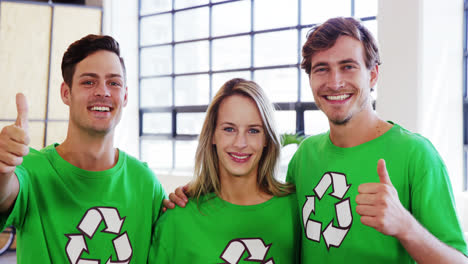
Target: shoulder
{"x": 312, "y": 142}
{"x": 134, "y": 165}
{"x": 410, "y": 140}
{"x": 315, "y": 139}
{"x": 288, "y": 200}
{"x": 310, "y": 145}
{"x": 178, "y": 214}
{"x": 140, "y": 170}
{"x": 416, "y": 148}
{"x": 37, "y": 158}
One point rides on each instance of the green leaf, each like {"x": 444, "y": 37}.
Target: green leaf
{"x": 290, "y": 138}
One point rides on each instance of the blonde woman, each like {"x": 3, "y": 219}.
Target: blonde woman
{"x": 237, "y": 210}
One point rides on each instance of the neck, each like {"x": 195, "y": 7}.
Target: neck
{"x": 89, "y": 152}
{"x": 362, "y": 128}
{"x": 242, "y": 191}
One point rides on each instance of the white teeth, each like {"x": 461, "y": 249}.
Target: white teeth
{"x": 239, "y": 157}
{"x": 100, "y": 108}
{"x": 338, "y": 97}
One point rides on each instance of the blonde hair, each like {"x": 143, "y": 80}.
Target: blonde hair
{"x": 206, "y": 179}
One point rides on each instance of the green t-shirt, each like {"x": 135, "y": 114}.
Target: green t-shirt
{"x": 327, "y": 179}
{"x": 64, "y": 214}
{"x": 221, "y": 232}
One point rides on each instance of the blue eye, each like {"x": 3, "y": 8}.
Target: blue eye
{"x": 320, "y": 70}
{"x": 228, "y": 129}
{"x": 254, "y": 131}
{"x": 115, "y": 84}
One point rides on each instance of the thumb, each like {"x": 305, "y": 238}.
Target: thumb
{"x": 383, "y": 173}
{"x": 22, "y": 109}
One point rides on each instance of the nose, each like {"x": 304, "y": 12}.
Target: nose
{"x": 335, "y": 80}
{"x": 240, "y": 141}
{"x": 102, "y": 90}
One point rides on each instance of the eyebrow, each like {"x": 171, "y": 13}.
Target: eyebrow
{"x": 232, "y": 124}
{"x": 94, "y": 75}
{"x": 345, "y": 61}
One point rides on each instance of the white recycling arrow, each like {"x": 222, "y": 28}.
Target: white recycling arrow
{"x": 255, "y": 247}
{"x": 233, "y": 252}
{"x": 312, "y": 228}
{"x": 333, "y": 236}
{"x": 122, "y": 247}
{"x": 343, "y": 213}
{"x": 75, "y": 246}
{"x": 308, "y": 208}
{"x": 88, "y": 261}
{"x": 323, "y": 185}
{"x": 90, "y": 222}
{"x": 117, "y": 262}
{"x": 89, "y": 225}
{"x": 112, "y": 220}
{"x": 340, "y": 186}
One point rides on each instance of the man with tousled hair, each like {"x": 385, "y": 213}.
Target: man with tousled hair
{"x": 391, "y": 200}
{"x": 81, "y": 201}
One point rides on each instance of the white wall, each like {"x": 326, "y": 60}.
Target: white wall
{"x": 421, "y": 77}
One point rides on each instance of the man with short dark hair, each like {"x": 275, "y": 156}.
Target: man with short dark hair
{"x": 83, "y": 194}
{"x": 352, "y": 213}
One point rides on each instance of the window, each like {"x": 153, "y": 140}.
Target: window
{"x": 188, "y": 49}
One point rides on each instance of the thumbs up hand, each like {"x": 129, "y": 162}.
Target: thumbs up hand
{"x": 22, "y": 110}
{"x": 379, "y": 205}
{"x": 14, "y": 139}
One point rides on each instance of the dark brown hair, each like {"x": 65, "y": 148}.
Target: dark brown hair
{"x": 323, "y": 36}
{"x": 84, "y": 47}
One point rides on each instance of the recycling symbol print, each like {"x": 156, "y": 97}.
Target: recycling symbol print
{"x": 332, "y": 235}
{"x": 255, "y": 247}
{"x": 88, "y": 227}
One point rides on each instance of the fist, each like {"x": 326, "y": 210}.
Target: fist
{"x": 379, "y": 205}
{"x": 14, "y": 139}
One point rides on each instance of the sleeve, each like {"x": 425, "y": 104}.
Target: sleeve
{"x": 16, "y": 215}
{"x": 432, "y": 202}
{"x": 291, "y": 174}
{"x": 161, "y": 241}
{"x": 159, "y": 196}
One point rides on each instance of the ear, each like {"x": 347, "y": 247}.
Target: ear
{"x": 65, "y": 92}
{"x": 374, "y": 75}
{"x": 125, "y": 97}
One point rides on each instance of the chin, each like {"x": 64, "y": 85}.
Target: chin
{"x": 340, "y": 122}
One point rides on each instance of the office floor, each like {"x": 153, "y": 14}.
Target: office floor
{"x": 8, "y": 258}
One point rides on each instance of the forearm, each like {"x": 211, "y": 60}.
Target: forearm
{"x": 425, "y": 248}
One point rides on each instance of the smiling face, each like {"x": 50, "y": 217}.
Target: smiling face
{"x": 98, "y": 93}
{"x": 340, "y": 81}
{"x": 239, "y": 137}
